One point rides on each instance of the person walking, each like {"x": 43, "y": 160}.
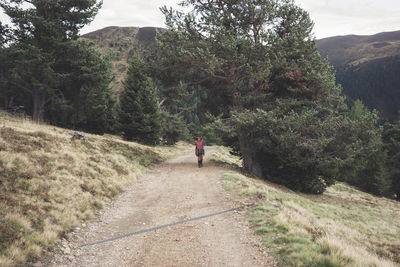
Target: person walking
{"x": 199, "y": 151}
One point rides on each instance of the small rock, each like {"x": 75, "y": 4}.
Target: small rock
{"x": 67, "y": 251}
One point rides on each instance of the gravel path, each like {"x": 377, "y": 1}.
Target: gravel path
{"x": 174, "y": 191}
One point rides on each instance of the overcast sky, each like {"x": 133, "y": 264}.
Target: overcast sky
{"x": 331, "y": 17}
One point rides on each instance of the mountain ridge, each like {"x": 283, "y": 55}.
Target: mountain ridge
{"x": 342, "y": 50}
{"x": 367, "y": 67}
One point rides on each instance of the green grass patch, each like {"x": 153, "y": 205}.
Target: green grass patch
{"x": 342, "y": 227}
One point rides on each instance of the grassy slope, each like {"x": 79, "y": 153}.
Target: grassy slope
{"x": 50, "y": 184}
{"x": 342, "y": 227}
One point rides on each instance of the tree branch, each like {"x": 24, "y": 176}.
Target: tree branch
{"x": 162, "y": 102}
{"x": 21, "y": 86}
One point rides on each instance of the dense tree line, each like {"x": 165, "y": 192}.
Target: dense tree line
{"x": 376, "y": 83}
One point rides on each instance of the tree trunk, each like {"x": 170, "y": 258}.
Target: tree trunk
{"x": 8, "y": 102}
{"x": 39, "y": 102}
{"x": 250, "y": 163}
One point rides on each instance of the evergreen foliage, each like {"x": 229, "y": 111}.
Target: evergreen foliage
{"x": 391, "y": 138}
{"x": 42, "y": 34}
{"x": 87, "y": 103}
{"x": 367, "y": 168}
{"x": 4, "y": 34}
{"x": 258, "y": 64}
{"x": 139, "y": 113}
{"x": 173, "y": 128}
{"x": 367, "y": 71}
{"x": 7, "y": 92}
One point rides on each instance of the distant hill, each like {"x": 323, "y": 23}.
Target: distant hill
{"x": 368, "y": 68}
{"x": 124, "y": 42}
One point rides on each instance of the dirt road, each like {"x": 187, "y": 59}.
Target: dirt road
{"x": 174, "y": 191}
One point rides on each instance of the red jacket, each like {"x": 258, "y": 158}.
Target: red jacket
{"x": 199, "y": 144}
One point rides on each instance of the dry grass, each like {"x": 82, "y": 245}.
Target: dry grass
{"x": 50, "y": 184}
{"x": 224, "y": 157}
{"x": 365, "y": 52}
{"x": 342, "y": 227}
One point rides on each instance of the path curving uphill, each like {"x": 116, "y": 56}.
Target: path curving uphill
{"x": 174, "y": 191}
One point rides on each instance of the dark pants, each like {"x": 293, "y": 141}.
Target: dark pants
{"x": 199, "y": 154}
{"x": 200, "y": 160}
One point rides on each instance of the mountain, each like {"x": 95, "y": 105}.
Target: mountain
{"x": 124, "y": 42}
{"x": 368, "y": 68}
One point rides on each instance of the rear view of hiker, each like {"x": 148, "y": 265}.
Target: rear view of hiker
{"x": 199, "y": 151}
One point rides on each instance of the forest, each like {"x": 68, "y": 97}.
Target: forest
{"x": 244, "y": 74}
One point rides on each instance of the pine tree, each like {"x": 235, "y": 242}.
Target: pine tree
{"x": 259, "y": 65}
{"x": 139, "y": 114}
{"x": 87, "y": 102}
{"x": 173, "y": 128}
{"x": 7, "y": 93}
{"x": 42, "y": 32}
{"x": 391, "y": 138}
{"x": 367, "y": 168}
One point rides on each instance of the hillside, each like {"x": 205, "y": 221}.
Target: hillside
{"x": 124, "y": 42}
{"x": 341, "y": 227}
{"x": 50, "y": 184}
{"x": 367, "y": 67}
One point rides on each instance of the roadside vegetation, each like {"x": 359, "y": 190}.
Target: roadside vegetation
{"x": 49, "y": 184}
{"x": 341, "y": 227}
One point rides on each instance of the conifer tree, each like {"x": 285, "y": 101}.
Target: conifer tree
{"x": 42, "y": 32}
{"x": 173, "y": 128}
{"x": 87, "y": 102}
{"x": 259, "y": 65}
{"x": 367, "y": 168}
{"x": 139, "y": 114}
{"x": 6, "y": 64}
{"x": 391, "y": 138}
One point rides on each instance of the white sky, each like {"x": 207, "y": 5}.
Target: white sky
{"x": 331, "y": 17}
